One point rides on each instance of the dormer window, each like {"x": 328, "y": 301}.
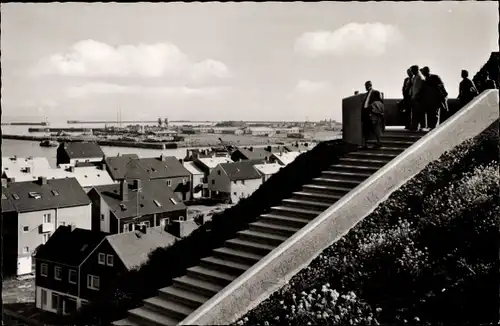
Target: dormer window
{"x": 55, "y": 192}
{"x": 35, "y": 195}
{"x": 15, "y": 196}
{"x": 173, "y": 201}
{"x": 157, "y": 203}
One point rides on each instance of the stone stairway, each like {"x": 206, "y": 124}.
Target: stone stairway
{"x": 174, "y": 303}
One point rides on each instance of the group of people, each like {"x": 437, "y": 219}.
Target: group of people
{"x": 424, "y": 105}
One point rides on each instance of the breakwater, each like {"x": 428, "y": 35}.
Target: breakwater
{"x": 25, "y": 124}
{"x": 101, "y": 142}
{"x": 60, "y": 129}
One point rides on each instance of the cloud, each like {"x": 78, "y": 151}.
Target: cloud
{"x": 90, "y": 58}
{"x": 91, "y": 89}
{"x": 369, "y": 39}
{"x": 309, "y": 87}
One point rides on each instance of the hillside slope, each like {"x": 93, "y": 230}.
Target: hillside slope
{"x": 428, "y": 254}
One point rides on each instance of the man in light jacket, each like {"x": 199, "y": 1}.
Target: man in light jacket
{"x": 416, "y": 99}
{"x": 372, "y": 115}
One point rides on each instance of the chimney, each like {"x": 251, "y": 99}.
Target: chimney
{"x": 163, "y": 158}
{"x": 42, "y": 180}
{"x": 182, "y": 228}
{"x": 28, "y": 169}
{"x": 103, "y": 166}
{"x": 71, "y": 169}
{"x": 14, "y": 157}
{"x": 140, "y": 229}
{"x": 124, "y": 190}
{"x": 181, "y": 161}
{"x": 137, "y": 184}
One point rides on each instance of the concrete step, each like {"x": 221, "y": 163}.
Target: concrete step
{"x": 405, "y": 132}
{"x": 400, "y": 136}
{"x": 336, "y": 182}
{"x": 318, "y": 197}
{"x": 355, "y": 168}
{"x": 197, "y": 286}
{"x": 326, "y": 190}
{"x": 224, "y": 265}
{"x": 266, "y": 238}
{"x": 186, "y": 297}
{"x": 273, "y": 229}
{"x": 357, "y": 175}
{"x": 362, "y": 162}
{"x": 236, "y": 256}
{"x": 305, "y": 204}
{"x": 393, "y": 143}
{"x": 374, "y": 155}
{"x": 308, "y": 212}
{"x": 248, "y": 246}
{"x": 146, "y": 317}
{"x": 284, "y": 220}
{"x": 124, "y": 322}
{"x": 168, "y": 308}
{"x": 210, "y": 275}
{"x": 385, "y": 149}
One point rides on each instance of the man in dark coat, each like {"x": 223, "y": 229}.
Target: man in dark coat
{"x": 435, "y": 97}
{"x": 466, "y": 90}
{"x": 406, "y": 104}
{"x": 416, "y": 100}
{"x": 489, "y": 83}
{"x": 372, "y": 115}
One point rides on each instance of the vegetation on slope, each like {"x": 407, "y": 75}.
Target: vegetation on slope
{"x": 427, "y": 255}
{"x": 164, "y": 264}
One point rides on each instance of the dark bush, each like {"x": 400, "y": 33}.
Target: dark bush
{"x": 427, "y": 255}
{"x": 164, "y": 264}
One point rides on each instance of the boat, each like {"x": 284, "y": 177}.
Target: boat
{"x": 49, "y": 143}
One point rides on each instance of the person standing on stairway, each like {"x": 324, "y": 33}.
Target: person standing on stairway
{"x": 417, "y": 108}
{"x": 406, "y": 107}
{"x": 436, "y": 97}
{"x": 372, "y": 115}
{"x": 466, "y": 89}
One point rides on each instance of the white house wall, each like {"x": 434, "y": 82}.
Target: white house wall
{"x": 240, "y": 190}
{"x": 48, "y": 305}
{"x": 104, "y": 223}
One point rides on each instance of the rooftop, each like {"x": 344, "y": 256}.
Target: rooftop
{"x": 241, "y": 171}
{"x": 163, "y": 167}
{"x": 134, "y": 247}
{"x": 212, "y": 162}
{"x": 117, "y": 165}
{"x": 192, "y": 168}
{"x": 286, "y": 158}
{"x": 82, "y": 150}
{"x": 269, "y": 168}
{"x": 12, "y": 164}
{"x": 254, "y": 153}
{"x": 31, "y": 196}
{"x": 77, "y": 244}
{"x": 155, "y": 197}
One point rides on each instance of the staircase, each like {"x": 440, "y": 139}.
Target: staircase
{"x": 174, "y": 303}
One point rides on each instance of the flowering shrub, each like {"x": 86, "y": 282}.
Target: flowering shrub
{"x": 426, "y": 255}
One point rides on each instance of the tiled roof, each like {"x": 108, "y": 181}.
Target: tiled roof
{"x": 82, "y": 150}
{"x": 240, "y": 171}
{"x": 212, "y": 162}
{"x": 286, "y": 158}
{"x": 132, "y": 167}
{"x": 163, "y": 167}
{"x": 256, "y": 153}
{"x": 117, "y": 165}
{"x": 151, "y": 192}
{"x": 269, "y": 168}
{"x": 134, "y": 247}
{"x": 192, "y": 168}
{"x": 31, "y": 196}
{"x": 77, "y": 244}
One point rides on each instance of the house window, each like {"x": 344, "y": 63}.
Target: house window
{"x": 55, "y": 301}
{"x": 93, "y": 282}
{"x": 169, "y": 183}
{"x": 109, "y": 260}
{"x": 15, "y": 196}
{"x": 173, "y": 201}
{"x": 44, "y": 269}
{"x": 234, "y": 193}
{"x": 101, "y": 259}
{"x": 242, "y": 182}
{"x": 46, "y": 218}
{"x": 102, "y": 217}
{"x": 46, "y": 237}
{"x": 44, "y": 298}
{"x": 26, "y": 228}
{"x": 157, "y": 203}
{"x": 57, "y": 273}
{"x": 55, "y": 192}
{"x": 26, "y": 250}
{"x": 72, "y": 276}
{"x": 213, "y": 182}
{"x": 218, "y": 172}
{"x": 146, "y": 223}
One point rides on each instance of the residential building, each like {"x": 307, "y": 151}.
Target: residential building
{"x": 207, "y": 164}
{"x": 87, "y": 176}
{"x": 59, "y": 279}
{"x": 267, "y": 170}
{"x": 166, "y": 168}
{"x": 262, "y": 131}
{"x": 284, "y": 158}
{"x": 197, "y": 179}
{"x": 299, "y": 147}
{"x": 117, "y": 208}
{"x": 234, "y": 181}
{"x": 23, "y": 168}
{"x": 40, "y": 207}
{"x": 77, "y": 152}
{"x": 255, "y": 154}
{"x": 9, "y": 235}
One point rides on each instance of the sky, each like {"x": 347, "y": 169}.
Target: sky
{"x": 228, "y": 61}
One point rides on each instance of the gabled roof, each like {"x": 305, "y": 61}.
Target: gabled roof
{"x": 15, "y": 167}
{"x": 192, "y": 168}
{"x": 268, "y": 168}
{"x": 286, "y": 158}
{"x": 70, "y": 247}
{"x": 163, "y": 167}
{"x": 212, "y": 162}
{"x": 152, "y": 192}
{"x": 134, "y": 247}
{"x": 56, "y": 193}
{"x": 118, "y": 165}
{"x": 240, "y": 171}
{"x": 255, "y": 153}
{"x": 82, "y": 150}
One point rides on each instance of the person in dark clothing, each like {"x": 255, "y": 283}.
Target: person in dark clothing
{"x": 416, "y": 100}
{"x": 466, "y": 90}
{"x": 489, "y": 83}
{"x": 372, "y": 115}
{"x": 406, "y": 105}
{"x": 435, "y": 94}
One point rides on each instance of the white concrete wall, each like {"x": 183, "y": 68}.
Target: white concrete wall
{"x": 104, "y": 224}
{"x": 243, "y": 188}
{"x": 73, "y": 161}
